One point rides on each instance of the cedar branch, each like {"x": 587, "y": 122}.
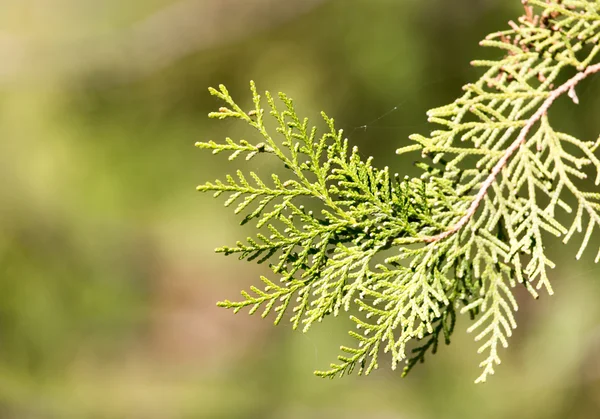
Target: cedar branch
{"x": 567, "y": 87}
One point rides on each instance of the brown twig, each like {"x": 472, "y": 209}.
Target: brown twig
{"x": 569, "y": 85}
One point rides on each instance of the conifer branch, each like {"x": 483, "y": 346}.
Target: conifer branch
{"x": 408, "y": 253}
{"x": 567, "y": 87}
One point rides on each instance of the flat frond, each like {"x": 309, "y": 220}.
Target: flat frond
{"x": 402, "y": 255}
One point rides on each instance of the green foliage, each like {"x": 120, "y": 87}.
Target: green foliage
{"x": 404, "y": 255}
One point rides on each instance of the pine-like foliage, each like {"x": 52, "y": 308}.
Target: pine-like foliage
{"x": 404, "y": 255}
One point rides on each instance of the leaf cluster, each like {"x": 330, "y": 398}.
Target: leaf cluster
{"x": 403, "y": 255}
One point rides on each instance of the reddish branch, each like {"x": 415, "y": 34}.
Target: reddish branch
{"x": 567, "y": 87}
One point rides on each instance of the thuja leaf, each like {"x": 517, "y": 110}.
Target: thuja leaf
{"x": 409, "y": 253}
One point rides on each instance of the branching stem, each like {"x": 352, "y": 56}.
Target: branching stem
{"x": 567, "y": 87}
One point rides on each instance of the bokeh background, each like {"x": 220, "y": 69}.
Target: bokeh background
{"x": 108, "y": 280}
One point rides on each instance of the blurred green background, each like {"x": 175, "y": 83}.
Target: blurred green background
{"x": 108, "y": 280}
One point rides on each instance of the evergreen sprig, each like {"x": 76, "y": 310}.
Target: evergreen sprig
{"x": 408, "y": 253}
